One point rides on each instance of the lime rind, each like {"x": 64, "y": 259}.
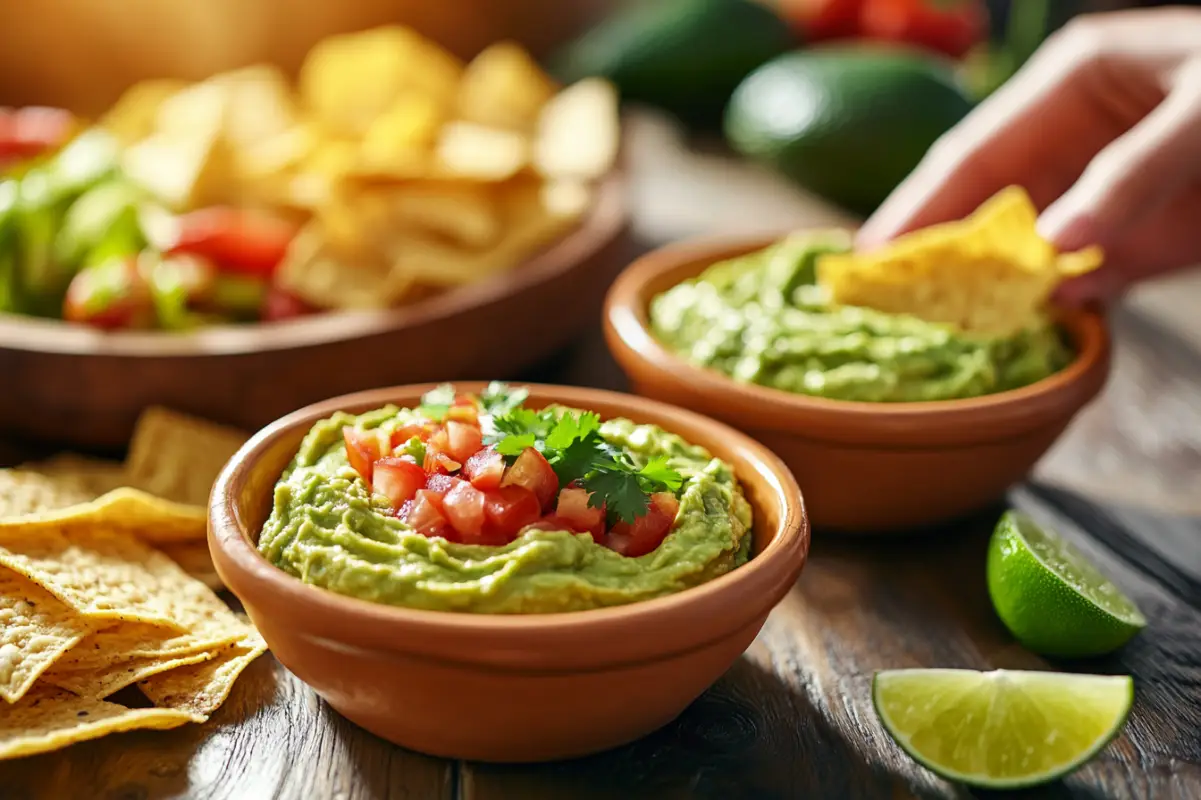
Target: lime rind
{"x": 954, "y": 686}
{"x": 1062, "y": 559}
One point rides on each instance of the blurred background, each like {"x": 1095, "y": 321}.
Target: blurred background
{"x": 842, "y": 123}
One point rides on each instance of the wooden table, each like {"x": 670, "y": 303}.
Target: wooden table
{"x": 793, "y": 718}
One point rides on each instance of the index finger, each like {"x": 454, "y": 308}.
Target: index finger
{"x": 999, "y": 143}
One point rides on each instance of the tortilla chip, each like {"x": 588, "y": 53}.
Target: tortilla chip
{"x": 990, "y": 274}
{"x": 194, "y": 558}
{"x": 130, "y": 640}
{"x": 113, "y": 677}
{"x": 95, "y": 476}
{"x": 125, "y": 510}
{"x": 36, "y": 629}
{"x": 23, "y": 492}
{"x": 178, "y": 457}
{"x": 200, "y": 689}
{"x": 49, "y": 719}
{"x": 100, "y": 574}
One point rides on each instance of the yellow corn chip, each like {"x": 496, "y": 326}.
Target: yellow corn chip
{"x": 99, "y": 573}
{"x": 178, "y": 457}
{"x": 195, "y": 559}
{"x": 129, "y": 511}
{"x": 36, "y": 629}
{"x": 23, "y": 492}
{"x": 200, "y": 689}
{"x": 131, "y": 640}
{"x": 96, "y": 476}
{"x": 49, "y": 719}
{"x": 989, "y": 274}
{"x": 116, "y": 676}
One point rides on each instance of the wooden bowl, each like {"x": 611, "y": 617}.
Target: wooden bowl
{"x": 510, "y": 688}
{"x": 865, "y": 467}
{"x": 78, "y": 386}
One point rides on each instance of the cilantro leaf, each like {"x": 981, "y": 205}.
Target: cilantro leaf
{"x": 499, "y": 400}
{"x": 575, "y": 461}
{"x": 436, "y": 402}
{"x": 571, "y": 428}
{"x": 521, "y": 421}
{"x": 620, "y": 492}
{"x": 513, "y": 445}
{"x": 658, "y": 476}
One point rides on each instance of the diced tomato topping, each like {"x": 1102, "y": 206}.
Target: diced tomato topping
{"x": 648, "y": 531}
{"x": 402, "y": 434}
{"x": 485, "y": 469}
{"x": 425, "y": 515}
{"x": 33, "y": 130}
{"x": 397, "y": 479}
{"x": 363, "y": 449}
{"x": 280, "y": 304}
{"x": 440, "y": 484}
{"x": 508, "y": 510}
{"x": 463, "y": 440}
{"x": 235, "y": 239}
{"x": 464, "y": 508}
{"x": 532, "y": 471}
{"x": 573, "y": 510}
{"x": 111, "y": 295}
{"x": 465, "y": 414}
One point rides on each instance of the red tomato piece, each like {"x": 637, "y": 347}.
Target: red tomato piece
{"x": 950, "y": 27}
{"x": 574, "y": 511}
{"x": 425, "y": 516}
{"x": 363, "y": 449}
{"x": 463, "y": 413}
{"x": 463, "y": 440}
{"x": 464, "y": 508}
{"x": 397, "y": 479}
{"x": 439, "y": 484}
{"x": 405, "y": 432}
{"x": 485, "y": 469}
{"x": 648, "y": 531}
{"x": 508, "y": 510}
{"x": 33, "y": 130}
{"x": 280, "y": 304}
{"x": 111, "y": 295}
{"x": 823, "y": 19}
{"x": 532, "y": 471}
{"x": 236, "y": 240}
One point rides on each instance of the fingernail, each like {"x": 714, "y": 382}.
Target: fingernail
{"x": 1067, "y": 229}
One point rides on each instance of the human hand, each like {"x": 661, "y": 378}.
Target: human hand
{"x": 1103, "y": 128}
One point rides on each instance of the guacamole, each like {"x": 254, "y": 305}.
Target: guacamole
{"x": 762, "y": 319}
{"x": 329, "y": 529}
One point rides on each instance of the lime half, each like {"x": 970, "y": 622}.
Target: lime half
{"x": 1050, "y": 597}
{"x": 1002, "y": 729}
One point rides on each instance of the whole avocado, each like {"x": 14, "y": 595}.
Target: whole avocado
{"x": 846, "y": 122}
{"x": 684, "y": 56}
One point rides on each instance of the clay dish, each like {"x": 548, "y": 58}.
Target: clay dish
{"x": 864, "y": 467}
{"x": 73, "y": 385}
{"x": 510, "y": 688}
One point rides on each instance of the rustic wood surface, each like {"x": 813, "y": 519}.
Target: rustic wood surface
{"x": 793, "y": 718}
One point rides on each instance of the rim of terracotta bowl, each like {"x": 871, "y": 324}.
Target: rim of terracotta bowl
{"x": 530, "y": 642}
{"x": 911, "y": 424}
{"x": 599, "y": 225}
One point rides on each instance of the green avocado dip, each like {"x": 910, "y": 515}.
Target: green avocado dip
{"x": 761, "y": 318}
{"x": 329, "y": 529}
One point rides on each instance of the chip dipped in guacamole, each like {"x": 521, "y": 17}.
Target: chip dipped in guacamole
{"x": 952, "y": 312}
{"x": 480, "y": 504}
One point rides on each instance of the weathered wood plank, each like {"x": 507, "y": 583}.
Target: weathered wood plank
{"x": 274, "y": 738}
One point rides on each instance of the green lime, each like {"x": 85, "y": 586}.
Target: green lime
{"x": 1050, "y": 597}
{"x": 1001, "y": 729}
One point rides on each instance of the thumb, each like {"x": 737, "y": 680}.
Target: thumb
{"x": 1136, "y": 174}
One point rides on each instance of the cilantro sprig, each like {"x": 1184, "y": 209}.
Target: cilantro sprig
{"x": 571, "y": 442}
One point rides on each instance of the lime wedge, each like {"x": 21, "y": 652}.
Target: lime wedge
{"x": 1002, "y": 729}
{"x": 1050, "y": 597}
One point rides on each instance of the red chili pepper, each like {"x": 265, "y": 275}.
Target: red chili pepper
{"x": 951, "y": 27}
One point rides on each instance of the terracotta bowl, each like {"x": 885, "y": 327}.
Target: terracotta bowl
{"x": 865, "y": 467}
{"x": 77, "y": 386}
{"x": 509, "y": 688}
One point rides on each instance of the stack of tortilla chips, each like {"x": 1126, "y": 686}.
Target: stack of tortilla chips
{"x": 105, "y": 584}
